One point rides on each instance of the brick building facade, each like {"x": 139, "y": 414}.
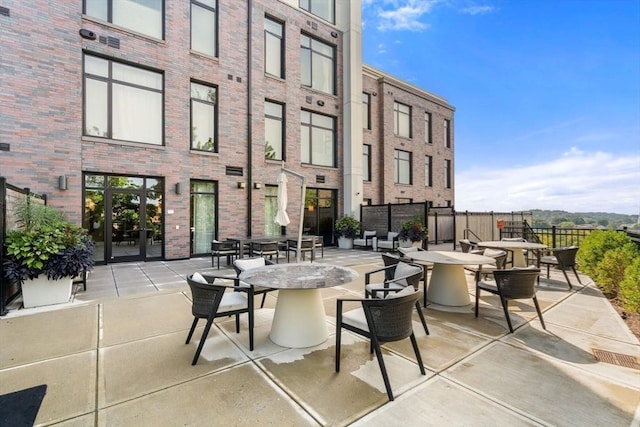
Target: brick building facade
{"x": 111, "y": 101}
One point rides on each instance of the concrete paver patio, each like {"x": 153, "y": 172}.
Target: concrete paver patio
{"x": 116, "y": 356}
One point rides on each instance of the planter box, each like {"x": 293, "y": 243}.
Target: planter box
{"x": 345, "y": 243}
{"x": 42, "y": 291}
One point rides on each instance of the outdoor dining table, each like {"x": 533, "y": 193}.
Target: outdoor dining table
{"x": 515, "y": 248}
{"x": 245, "y": 240}
{"x": 448, "y": 283}
{"x": 299, "y": 318}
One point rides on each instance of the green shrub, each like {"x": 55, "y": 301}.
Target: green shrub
{"x": 630, "y": 287}
{"x": 610, "y": 271}
{"x": 595, "y": 246}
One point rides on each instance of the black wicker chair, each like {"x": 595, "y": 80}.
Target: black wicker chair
{"x": 398, "y": 276}
{"x": 518, "y": 283}
{"x": 467, "y": 245}
{"x": 484, "y": 270}
{"x": 563, "y": 259}
{"x": 264, "y": 249}
{"x": 241, "y": 265}
{"x": 210, "y": 300}
{"x": 227, "y": 248}
{"x": 380, "y": 320}
{"x": 306, "y": 246}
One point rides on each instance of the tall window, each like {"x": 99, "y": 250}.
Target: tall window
{"x": 317, "y": 136}
{"x": 366, "y": 111}
{"x": 204, "y": 27}
{"x": 401, "y": 120}
{"x": 447, "y": 173}
{"x": 447, "y": 133}
{"x": 273, "y": 47}
{"x": 325, "y": 9}
{"x": 122, "y": 102}
{"x": 428, "y": 171}
{"x": 142, "y": 16}
{"x": 427, "y": 128}
{"x": 402, "y": 167}
{"x": 273, "y": 130}
{"x": 203, "y": 219}
{"x": 270, "y": 211}
{"x": 366, "y": 162}
{"x": 318, "y": 64}
{"x": 203, "y": 117}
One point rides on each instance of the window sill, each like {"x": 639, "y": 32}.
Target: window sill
{"x": 144, "y": 145}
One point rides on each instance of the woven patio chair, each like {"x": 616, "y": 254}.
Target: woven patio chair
{"x": 306, "y": 246}
{"x": 467, "y": 245}
{"x": 227, "y": 248}
{"x": 265, "y": 249}
{"x": 563, "y": 259}
{"x": 515, "y": 283}
{"x": 209, "y": 300}
{"x": 484, "y": 270}
{"x": 382, "y": 321}
{"x": 398, "y": 276}
{"x": 245, "y": 264}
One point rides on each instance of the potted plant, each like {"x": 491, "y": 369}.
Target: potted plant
{"x": 347, "y": 228}
{"x": 45, "y": 253}
{"x": 412, "y": 232}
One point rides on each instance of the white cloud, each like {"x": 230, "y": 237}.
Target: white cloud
{"x": 478, "y": 10}
{"x": 401, "y": 15}
{"x": 576, "y": 182}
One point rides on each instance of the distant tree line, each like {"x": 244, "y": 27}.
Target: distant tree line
{"x": 563, "y": 219}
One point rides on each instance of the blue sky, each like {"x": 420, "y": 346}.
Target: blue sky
{"x": 547, "y": 95}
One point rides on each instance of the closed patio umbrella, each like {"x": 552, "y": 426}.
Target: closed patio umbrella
{"x": 281, "y": 216}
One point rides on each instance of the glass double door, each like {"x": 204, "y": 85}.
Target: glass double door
{"x": 135, "y": 236}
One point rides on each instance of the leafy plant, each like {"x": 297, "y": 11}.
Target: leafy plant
{"x": 413, "y": 229}
{"x": 595, "y": 246}
{"x": 630, "y": 287}
{"x": 610, "y": 271}
{"x": 45, "y": 244}
{"x": 348, "y": 227}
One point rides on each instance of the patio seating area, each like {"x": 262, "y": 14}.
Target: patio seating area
{"x": 116, "y": 355}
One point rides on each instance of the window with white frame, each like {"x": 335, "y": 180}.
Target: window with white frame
{"x": 366, "y": 110}
{"x": 401, "y": 167}
{"x": 203, "y": 117}
{"x": 273, "y": 130}
{"x": 318, "y": 139}
{"x": 122, "y": 102}
{"x": 141, "y": 16}
{"x": 204, "y": 27}
{"x": 428, "y": 171}
{"x": 427, "y": 128}
{"x": 273, "y": 47}
{"x": 447, "y": 173}
{"x": 401, "y": 120}
{"x": 366, "y": 162}
{"x": 325, "y": 9}
{"x": 318, "y": 64}
{"x": 447, "y": 133}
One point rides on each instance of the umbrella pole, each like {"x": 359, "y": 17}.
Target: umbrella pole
{"x": 304, "y": 193}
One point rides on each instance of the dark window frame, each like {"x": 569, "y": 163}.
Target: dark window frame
{"x": 282, "y": 48}
{"x": 214, "y": 9}
{"x": 366, "y": 102}
{"x": 397, "y": 162}
{"x": 396, "y": 121}
{"x": 334, "y": 61}
{"x": 366, "y": 160}
{"x": 215, "y": 116}
{"x": 283, "y": 141}
{"x": 334, "y": 137}
{"x": 110, "y": 18}
{"x": 308, "y": 6}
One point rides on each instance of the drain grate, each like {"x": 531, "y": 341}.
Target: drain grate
{"x": 616, "y": 358}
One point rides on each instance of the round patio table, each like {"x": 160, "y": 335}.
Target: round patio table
{"x": 299, "y": 319}
{"x": 515, "y": 248}
{"x": 448, "y": 284}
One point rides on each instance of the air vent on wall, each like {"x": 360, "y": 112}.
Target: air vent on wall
{"x": 234, "y": 171}
{"x": 319, "y": 179}
{"x": 113, "y": 42}
{"x": 4, "y": 11}
{"x": 308, "y": 99}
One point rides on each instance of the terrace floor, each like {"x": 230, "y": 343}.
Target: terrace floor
{"x": 116, "y": 356}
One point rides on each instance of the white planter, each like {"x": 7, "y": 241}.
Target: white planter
{"x": 345, "y": 243}
{"x": 42, "y": 291}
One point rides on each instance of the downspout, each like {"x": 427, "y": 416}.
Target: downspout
{"x": 249, "y": 115}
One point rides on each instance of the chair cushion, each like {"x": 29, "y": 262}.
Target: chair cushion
{"x": 368, "y": 233}
{"x": 548, "y": 260}
{"x": 248, "y": 264}
{"x": 233, "y": 301}
{"x": 356, "y": 318}
{"x": 490, "y": 286}
{"x": 530, "y": 267}
{"x": 199, "y": 278}
{"x": 391, "y": 235}
{"x": 492, "y": 252}
{"x": 393, "y": 286}
{"x": 402, "y": 270}
{"x": 408, "y": 290}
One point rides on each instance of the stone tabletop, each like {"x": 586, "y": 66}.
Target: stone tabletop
{"x": 299, "y": 276}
